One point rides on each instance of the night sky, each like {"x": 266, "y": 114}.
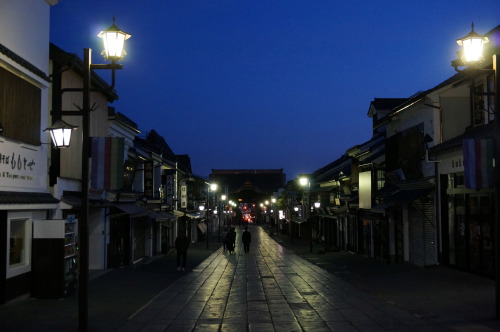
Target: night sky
{"x": 269, "y": 84}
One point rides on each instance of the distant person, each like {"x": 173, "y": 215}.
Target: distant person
{"x": 183, "y": 221}
{"x": 181, "y": 245}
{"x": 225, "y": 241}
{"x": 246, "y": 238}
{"x": 231, "y": 239}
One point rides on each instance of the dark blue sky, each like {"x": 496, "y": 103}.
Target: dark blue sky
{"x": 270, "y": 83}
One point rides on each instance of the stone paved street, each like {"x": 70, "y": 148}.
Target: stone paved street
{"x": 269, "y": 289}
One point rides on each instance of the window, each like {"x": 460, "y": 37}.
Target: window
{"x": 405, "y": 151}
{"x": 17, "y": 242}
{"x": 19, "y": 246}
{"x": 19, "y": 108}
{"x": 380, "y": 179}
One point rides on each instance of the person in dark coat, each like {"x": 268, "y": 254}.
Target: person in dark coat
{"x": 225, "y": 242}
{"x": 246, "y": 238}
{"x": 181, "y": 245}
{"x": 231, "y": 239}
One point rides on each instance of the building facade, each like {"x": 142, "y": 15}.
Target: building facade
{"x": 26, "y": 204}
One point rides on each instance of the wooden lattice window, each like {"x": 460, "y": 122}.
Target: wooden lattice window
{"x": 20, "y": 106}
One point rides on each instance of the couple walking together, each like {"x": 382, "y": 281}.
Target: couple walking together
{"x": 246, "y": 238}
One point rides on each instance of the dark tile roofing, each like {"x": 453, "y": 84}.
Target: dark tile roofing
{"x": 24, "y": 63}
{"x": 14, "y": 197}
{"x": 184, "y": 163}
{"x": 156, "y": 143}
{"x": 121, "y": 118}
{"x": 72, "y": 61}
{"x": 387, "y": 103}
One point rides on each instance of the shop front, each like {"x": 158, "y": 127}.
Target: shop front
{"x": 466, "y": 200}
{"x": 19, "y": 213}
{"x": 129, "y": 234}
{"x": 467, "y": 227}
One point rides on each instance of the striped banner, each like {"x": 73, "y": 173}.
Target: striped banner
{"x": 478, "y": 163}
{"x": 107, "y": 163}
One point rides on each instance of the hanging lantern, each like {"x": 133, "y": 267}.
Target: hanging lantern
{"x": 114, "y": 41}
{"x": 60, "y": 132}
{"x": 472, "y": 45}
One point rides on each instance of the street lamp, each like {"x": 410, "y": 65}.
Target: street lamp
{"x": 273, "y": 210}
{"x": 267, "y": 215}
{"x": 60, "y": 132}
{"x": 472, "y": 47}
{"x": 223, "y": 212}
{"x": 202, "y": 208}
{"x": 304, "y": 182}
{"x": 114, "y": 40}
{"x": 472, "y": 54}
{"x": 211, "y": 187}
{"x": 317, "y": 205}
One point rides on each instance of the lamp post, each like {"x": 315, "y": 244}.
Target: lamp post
{"x": 211, "y": 187}
{"x": 113, "y": 39}
{"x": 472, "y": 54}
{"x": 223, "y": 212}
{"x": 304, "y": 182}
{"x": 202, "y": 208}
{"x": 316, "y": 207}
{"x": 275, "y": 217}
{"x": 296, "y": 210}
{"x": 268, "y": 216}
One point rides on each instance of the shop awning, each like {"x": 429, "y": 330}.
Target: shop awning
{"x": 131, "y": 208}
{"x": 400, "y": 197}
{"x": 10, "y": 200}
{"x": 160, "y": 216}
{"x": 405, "y": 196}
{"x": 191, "y": 214}
{"x": 70, "y": 202}
{"x": 202, "y": 226}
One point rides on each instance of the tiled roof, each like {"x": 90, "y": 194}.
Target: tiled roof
{"x": 26, "y": 64}
{"x": 14, "y": 197}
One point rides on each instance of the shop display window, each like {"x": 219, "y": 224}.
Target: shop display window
{"x": 17, "y": 243}
{"x": 18, "y": 246}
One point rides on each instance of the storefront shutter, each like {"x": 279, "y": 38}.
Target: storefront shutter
{"x": 423, "y": 233}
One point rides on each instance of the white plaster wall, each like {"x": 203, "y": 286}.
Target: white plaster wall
{"x": 24, "y": 29}
{"x": 98, "y": 239}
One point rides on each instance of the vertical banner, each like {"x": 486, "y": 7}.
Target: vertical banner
{"x": 365, "y": 190}
{"x": 107, "y": 163}
{"x": 183, "y": 196}
{"x": 169, "y": 190}
{"x": 478, "y": 163}
{"x": 148, "y": 179}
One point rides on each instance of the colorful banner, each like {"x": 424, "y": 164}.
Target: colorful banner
{"x": 478, "y": 162}
{"x": 107, "y": 163}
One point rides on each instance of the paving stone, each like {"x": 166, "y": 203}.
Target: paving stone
{"x": 270, "y": 289}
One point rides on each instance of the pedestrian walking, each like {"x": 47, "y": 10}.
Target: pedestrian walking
{"x": 231, "y": 239}
{"x": 246, "y": 238}
{"x": 181, "y": 245}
